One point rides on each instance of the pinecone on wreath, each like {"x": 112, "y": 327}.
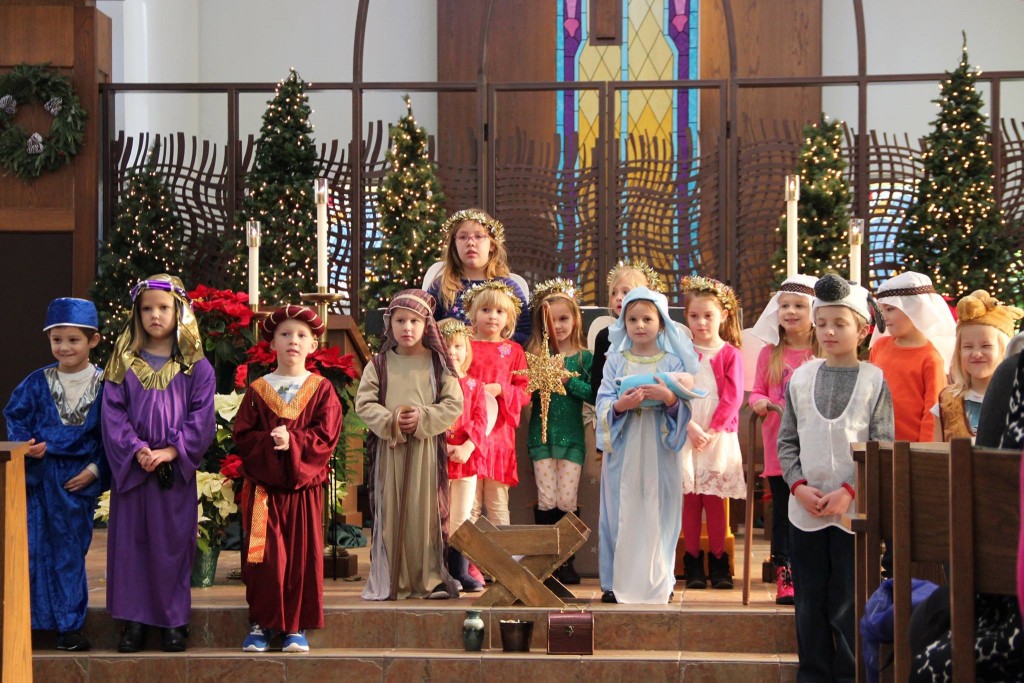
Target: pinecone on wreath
{"x": 54, "y": 105}
{"x": 34, "y": 144}
{"x": 8, "y": 105}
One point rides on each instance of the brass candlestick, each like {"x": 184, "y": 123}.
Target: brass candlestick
{"x": 322, "y": 299}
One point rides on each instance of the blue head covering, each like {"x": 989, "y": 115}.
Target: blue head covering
{"x": 670, "y": 338}
{"x": 72, "y": 312}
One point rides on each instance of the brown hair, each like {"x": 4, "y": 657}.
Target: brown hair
{"x": 139, "y": 335}
{"x": 451, "y": 273}
{"x": 729, "y": 330}
{"x": 540, "y": 315}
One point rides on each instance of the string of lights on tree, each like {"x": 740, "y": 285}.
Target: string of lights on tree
{"x": 409, "y": 206}
{"x": 823, "y": 215}
{"x": 955, "y": 231}
{"x": 145, "y": 239}
{"x": 279, "y": 194}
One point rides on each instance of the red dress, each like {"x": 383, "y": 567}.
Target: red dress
{"x": 282, "y": 501}
{"x": 471, "y": 426}
{"x": 493, "y": 363}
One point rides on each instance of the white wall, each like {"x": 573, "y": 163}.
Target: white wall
{"x": 919, "y": 36}
{"x": 214, "y": 41}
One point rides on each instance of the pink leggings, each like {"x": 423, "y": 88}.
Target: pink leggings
{"x": 714, "y": 508}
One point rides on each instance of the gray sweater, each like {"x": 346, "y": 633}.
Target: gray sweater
{"x": 833, "y": 388}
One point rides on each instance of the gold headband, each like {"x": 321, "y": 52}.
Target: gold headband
{"x": 705, "y": 285}
{"x": 497, "y": 285}
{"x": 494, "y": 227}
{"x": 654, "y": 282}
{"x": 558, "y": 285}
{"x": 452, "y": 327}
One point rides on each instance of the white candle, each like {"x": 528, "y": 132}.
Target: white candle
{"x": 856, "y": 240}
{"x": 252, "y": 238}
{"x": 320, "y": 188}
{"x": 792, "y": 197}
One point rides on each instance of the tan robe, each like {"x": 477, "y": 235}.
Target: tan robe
{"x": 410, "y": 383}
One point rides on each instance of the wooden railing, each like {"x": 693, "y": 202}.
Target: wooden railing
{"x": 15, "y": 619}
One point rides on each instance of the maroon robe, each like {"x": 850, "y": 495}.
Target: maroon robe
{"x": 285, "y": 589}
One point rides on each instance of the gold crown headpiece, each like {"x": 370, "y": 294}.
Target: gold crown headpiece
{"x": 558, "y": 285}
{"x": 503, "y": 287}
{"x": 493, "y": 225}
{"x": 705, "y": 285}
{"x": 654, "y": 282}
{"x": 453, "y": 327}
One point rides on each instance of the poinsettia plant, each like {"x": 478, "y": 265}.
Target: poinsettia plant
{"x": 225, "y": 320}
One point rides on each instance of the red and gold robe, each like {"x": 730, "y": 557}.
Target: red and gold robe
{"x": 282, "y": 501}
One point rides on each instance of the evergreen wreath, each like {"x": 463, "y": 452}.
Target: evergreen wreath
{"x": 30, "y": 155}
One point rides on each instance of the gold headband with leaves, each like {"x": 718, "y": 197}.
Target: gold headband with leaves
{"x": 558, "y": 285}
{"x": 494, "y": 227}
{"x": 654, "y": 282}
{"x": 453, "y": 327}
{"x": 497, "y": 285}
{"x": 705, "y": 285}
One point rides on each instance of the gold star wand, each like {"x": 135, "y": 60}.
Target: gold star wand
{"x": 545, "y": 372}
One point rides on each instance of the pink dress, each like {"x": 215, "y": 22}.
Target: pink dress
{"x": 776, "y": 393}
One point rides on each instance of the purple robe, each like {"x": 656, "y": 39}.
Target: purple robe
{"x": 152, "y": 531}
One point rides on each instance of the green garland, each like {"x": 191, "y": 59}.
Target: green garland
{"x": 30, "y": 155}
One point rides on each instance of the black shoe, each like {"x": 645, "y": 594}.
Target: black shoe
{"x": 133, "y": 637}
{"x": 72, "y": 641}
{"x": 718, "y": 567}
{"x": 694, "y": 567}
{"x": 566, "y": 574}
{"x": 174, "y": 638}
{"x": 608, "y": 596}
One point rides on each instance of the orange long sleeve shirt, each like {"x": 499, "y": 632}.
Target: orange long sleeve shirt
{"x": 915, "y": 376}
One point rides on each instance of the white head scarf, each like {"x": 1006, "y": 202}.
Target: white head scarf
{"x": 670, "y": 337}
{"x": 767, "y": 326}
{"x": 914, "y": 294}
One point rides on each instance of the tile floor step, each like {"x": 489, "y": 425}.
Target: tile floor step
{"x": 397, "y": 625}
{"x": 366, "y": 665}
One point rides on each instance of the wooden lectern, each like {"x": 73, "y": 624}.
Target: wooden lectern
{"x": 15, "y": 620}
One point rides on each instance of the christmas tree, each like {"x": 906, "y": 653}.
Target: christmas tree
{"x": 954, "y": 231}
{"x": 409, "y": 205}
{"x": 823, "y": 215}
{"x": 144, "y": 240}
{"x": 279, "y": 194}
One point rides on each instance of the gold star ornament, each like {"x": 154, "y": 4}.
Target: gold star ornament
{"x": 545, "y": 372}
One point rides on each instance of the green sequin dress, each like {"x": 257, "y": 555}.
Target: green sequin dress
{"x": 566, "y": 438}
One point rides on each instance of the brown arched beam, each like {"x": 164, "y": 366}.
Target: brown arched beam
{"x": 356, "y": 156}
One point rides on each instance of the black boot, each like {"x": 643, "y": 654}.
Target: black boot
{"x": 693, "y": 565}
{"x": 567, "y": 572}
{"x": 718, "y": 567}
{"x": 133, "y": 637}
{"x": 458, "y": 567}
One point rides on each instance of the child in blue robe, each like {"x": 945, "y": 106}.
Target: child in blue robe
{"x": 56, "y": 410}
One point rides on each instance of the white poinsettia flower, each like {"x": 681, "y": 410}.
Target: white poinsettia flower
{"x": 227, "y": 405}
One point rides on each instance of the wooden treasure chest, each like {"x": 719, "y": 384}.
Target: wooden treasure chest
{"x": 571, "y": 633}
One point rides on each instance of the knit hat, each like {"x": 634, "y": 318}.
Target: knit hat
{"x": 979, "y": 308}
{"x": 832, "y": 290}
{"x": 914, "y": 294}
{"x": 71, "y": 312}
{"x": 767, "y": 326}
{"x": 292, "y": 312}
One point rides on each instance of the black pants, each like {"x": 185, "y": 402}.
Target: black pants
{"x": 780, "y": 520}
{"x": 823, "y": 571}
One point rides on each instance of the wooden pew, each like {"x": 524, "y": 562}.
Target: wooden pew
{"x": 983, "y": 524}
{"x": 872, "y": 520}
{"x": 15, "y": 620}
{"x": 920, "y": 485}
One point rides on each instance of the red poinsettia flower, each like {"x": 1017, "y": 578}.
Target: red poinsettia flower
{"x": 330, "y": 358}
{"x": 231, "y": 466}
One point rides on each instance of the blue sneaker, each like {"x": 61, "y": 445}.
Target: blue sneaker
{"x": 295, "y": 642}
{"x": 258, "y": 640}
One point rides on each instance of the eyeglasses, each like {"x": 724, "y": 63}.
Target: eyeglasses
{"x": 466, "y": 239}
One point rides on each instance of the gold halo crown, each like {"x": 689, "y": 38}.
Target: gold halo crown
{"x": 453, "y": 327}
{"x": 654, "y": 282}
{"x": 493, "y": 225}
{"x": 705, "y": 285}
{"x": 472, "y": 292}
{"x": 558, "y": 285}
